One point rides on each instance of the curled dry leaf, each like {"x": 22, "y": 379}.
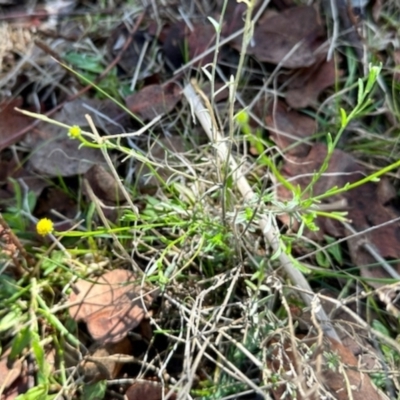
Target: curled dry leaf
{"x": 154, "y": 100}
{"x": 111, "y": 305}
{"x": 289, "y": 38}
{"x": 104, "y": 184}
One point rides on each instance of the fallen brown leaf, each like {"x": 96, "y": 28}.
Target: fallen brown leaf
{"x": 111, "y": 305}
{"x": 55, "y": 199}
{"x": 107, "y": 116}
{"x": 63, "y": 156}
{"x": 9, "y": 371}
{"x": 289, "y": 127}
{"x": 14, "y": 377}
{"x": 180, "y": 40}
{"x": 200, "y": 39}
{"x": 11, "y": 122}
{"x": 148, "y": 391}
{"x": 309, "y": 83}
{"x": 54, "y": 153}
{"x": 289, "y": 38}
{"x": 104, "y": 184}
{"x": 154, "y": 100}
{"x": 102, "y": 360}
{"x": 347, "y": 380}
{"x": 19, "y": 387}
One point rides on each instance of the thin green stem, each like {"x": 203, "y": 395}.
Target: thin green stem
{"x": 350, "y": 186}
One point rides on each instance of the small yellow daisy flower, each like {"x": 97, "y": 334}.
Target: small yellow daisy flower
{"x": 74, "y": 132}
{"x": 44, "y": 226}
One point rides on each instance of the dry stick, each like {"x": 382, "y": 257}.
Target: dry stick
{"x": 269, "y": 228}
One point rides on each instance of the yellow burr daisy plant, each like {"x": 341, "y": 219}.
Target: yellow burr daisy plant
{"x": 44, "y": 226}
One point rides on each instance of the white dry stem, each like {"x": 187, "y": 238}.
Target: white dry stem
{"x": 268, "y": 226}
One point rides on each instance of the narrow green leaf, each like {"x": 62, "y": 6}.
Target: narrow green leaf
{"x": 36, "y": 393}
{"x": 50, "y": 264}
{"x": 8, "y": 286}
{"x": 343, "y": 116}
{"x": 329, "y": 143}
{"x": 377, "y": 325}
{"x": 38, "y": 351}
{"x": 322, "y": 260}
{"x": 299, "y": 265}
{"x": 360, "y": 91}
{"x": 95, "y": 391}
{"x": 374, "y": 72}
{"x": 335, "y": 251}
{"x": 300, "y": 231}
{"x": 215, "y": 24}
{"x": 20, "y": 342}
{"x": 251, "y": 285}
{"x": 85, "y": 62}
{"x": 276, "y": 254}
{"x": 11, "y": 319}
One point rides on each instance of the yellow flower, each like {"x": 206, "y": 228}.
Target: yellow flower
{"x": 44, "y": 226}
{"x": 74, "y": 132}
